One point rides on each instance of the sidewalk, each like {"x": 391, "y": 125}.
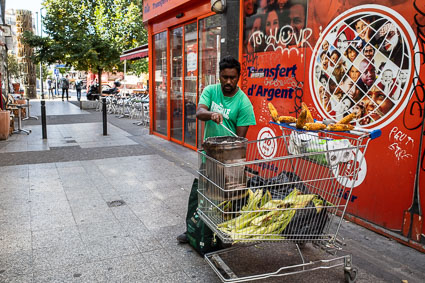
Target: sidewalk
{"x": 61, "y": 218}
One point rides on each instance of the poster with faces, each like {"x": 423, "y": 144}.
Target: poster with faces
{"x": 273, "y": 25}
{"x": 362, "y": 67}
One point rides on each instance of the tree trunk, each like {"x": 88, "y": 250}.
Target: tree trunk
{"x": 99, "y": 75}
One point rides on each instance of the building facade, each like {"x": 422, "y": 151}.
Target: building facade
{"x": 336, "y": 56}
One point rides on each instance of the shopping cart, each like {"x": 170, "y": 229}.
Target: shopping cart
{"x": 293, "y": 188}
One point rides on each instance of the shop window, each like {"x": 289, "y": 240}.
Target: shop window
{"x": 176, "y": 87}
{"x": 160, "y": 77}
{"x": 191, "y": 72}
{"x": 209, "y": 56}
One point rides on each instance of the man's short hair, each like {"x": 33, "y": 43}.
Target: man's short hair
{"x": 229, "y": 62}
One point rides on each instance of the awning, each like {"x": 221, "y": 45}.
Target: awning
{"x": 135, "y": 53}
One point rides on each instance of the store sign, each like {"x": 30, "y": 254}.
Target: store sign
{"x": 267, "y": 144}
{"x": 344, "y": 170}
{"x": 152, "y": 8}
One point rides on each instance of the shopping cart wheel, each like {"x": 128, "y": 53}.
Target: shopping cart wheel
{"x": 351, "y": 275}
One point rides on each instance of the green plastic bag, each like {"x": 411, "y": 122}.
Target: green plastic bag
{"x": 200, "y": 236}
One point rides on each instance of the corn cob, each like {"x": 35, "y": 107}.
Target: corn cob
{"x": 309, "y": 117}
{"x": 347, "y": 119}
{"x": 273, "y": 112}
{"x": 266, "y": 198}
{"x": 301, "y": 119}
{"x": 339, "y": 127}
{"x": 314, "y": 126}
{"x": 286, "y": 119}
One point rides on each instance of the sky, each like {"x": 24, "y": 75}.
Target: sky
{"x": 32, "y": 5}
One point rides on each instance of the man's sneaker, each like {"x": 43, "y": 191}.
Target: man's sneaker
{"x": 182, "y": 238}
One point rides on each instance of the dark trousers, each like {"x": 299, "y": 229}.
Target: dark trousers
{"x": 78, "y": 94}
{"x": 63, "y": 93}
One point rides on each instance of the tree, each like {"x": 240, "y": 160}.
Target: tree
{"x": 137, "y": 67}
{"x": 13, "y": 67}
{"x": 89, "y": 35}
{"x": 45, "y": 71}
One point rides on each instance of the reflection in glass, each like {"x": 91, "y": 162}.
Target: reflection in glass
{"x": 191, "y": 71}
{"x": 209, "y": 55}
{"x": 160, "y": 77}
{"x": 176, "y": 92}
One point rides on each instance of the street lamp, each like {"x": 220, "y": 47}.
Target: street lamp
{"x": 218, "y": 6}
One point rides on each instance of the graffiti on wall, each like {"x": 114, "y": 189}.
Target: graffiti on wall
{"x": 415, "y": 108}
{"x": 275, "y": 26}
{"x": 401, "y": 144}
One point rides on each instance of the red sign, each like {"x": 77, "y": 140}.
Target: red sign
{"x": 342, "y": 58}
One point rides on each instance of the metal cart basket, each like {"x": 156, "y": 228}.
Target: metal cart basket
{"x": 293, "y": 188}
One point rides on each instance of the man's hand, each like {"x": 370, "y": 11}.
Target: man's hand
{"x": 217, "y": 117}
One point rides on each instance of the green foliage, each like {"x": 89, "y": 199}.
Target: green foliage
{"x": 13, "y": 67}
{"x": 45, "y": 71}
{"x": 138, "y": 67}
{"x": 89, "y": 35}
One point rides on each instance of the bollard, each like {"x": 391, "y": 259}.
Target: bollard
{"x": 43, "y": 119}
{"x": 105, "y": 129}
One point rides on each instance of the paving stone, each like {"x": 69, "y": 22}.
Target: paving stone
{"x": 158, "y": 220}
{"x": 99, "y": 214}
{"x": 139, "y": 197}
{"x": 48, "y": 196}
{"x": 92, "y": 231}
{"x": 81, "y": 193}
{"x": 16, "y": 242}
{"x": 50, "y": 207}
{"x": 15, "y": 225}
{"x": 133, "y": 268}
{"x": 179, "y": 276}
{"x": 26, "y": 278}
{"x": 56, "y": 237}
{"x": 110, "y": 247}
{"x": 161, "y": 261}
{"x": 51, "y": 221}
{"x": 15, "y": 264}
{"x": 201, "y": 274}
{"x": 87, "y": 204}
{"x": 68, "y": 254}
{"x": 124, "y": 213}
{"x": 144, "y": 240}
{"x": 8, "y": 210}
{"x": 88, "y": 272}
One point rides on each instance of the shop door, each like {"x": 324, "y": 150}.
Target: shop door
{"x": 160, "y": 77}
{"x": 209, "y": 58}
{"x": 176, "y": 87}
{"x": 191, "y": 73}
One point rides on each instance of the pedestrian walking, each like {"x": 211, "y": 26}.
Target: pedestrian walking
{"x": 65, "y": 87}
{"x": 221, "y": 104}
{"x": 50, "y": 86}
{"x": 78, "y": 87}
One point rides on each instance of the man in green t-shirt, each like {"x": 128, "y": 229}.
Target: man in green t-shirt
{"x": 224, "y": 103}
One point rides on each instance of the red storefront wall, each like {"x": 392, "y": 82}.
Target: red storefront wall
{"x": 280, "y": 59}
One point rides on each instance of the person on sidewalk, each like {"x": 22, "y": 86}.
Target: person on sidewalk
{"x": 65, "y": 87}
{"x": 49, "y": 86}
{"x": 224, "y": 103}
{"x": 78, "y": 87}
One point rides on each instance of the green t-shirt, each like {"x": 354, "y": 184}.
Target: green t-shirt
{"x": 236, "y": 110}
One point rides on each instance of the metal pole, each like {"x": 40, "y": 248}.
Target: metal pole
{"x": 105, "y": 127}
{"x": 43, "y": 119}
{"x": 41, "y": 65}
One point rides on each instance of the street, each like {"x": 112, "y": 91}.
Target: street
{"x": 83, "y": 207}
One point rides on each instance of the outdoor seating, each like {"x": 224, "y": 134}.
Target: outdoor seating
{"x": 18, "y": 107}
